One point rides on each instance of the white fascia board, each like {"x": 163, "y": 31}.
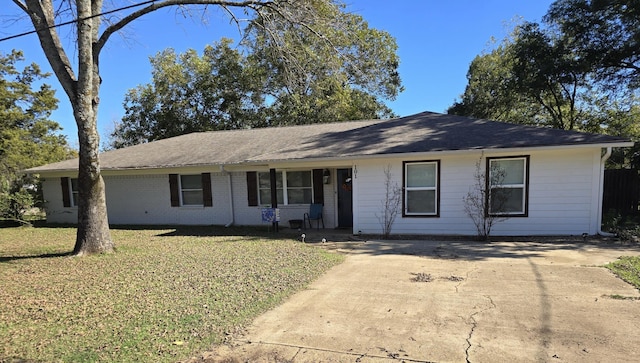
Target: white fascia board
{"x": 73, "y": 173}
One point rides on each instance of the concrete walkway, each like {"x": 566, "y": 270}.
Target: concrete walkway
{"x": 454, "y": 302}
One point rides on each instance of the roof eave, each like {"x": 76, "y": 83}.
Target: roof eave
{"x": 341, "y": 159}
{"x": 350, "y": 158}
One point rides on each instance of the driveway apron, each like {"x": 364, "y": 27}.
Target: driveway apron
{"x": 431, "y": 301}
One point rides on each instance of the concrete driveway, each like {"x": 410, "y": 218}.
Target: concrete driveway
{"x": 454, "y": 302}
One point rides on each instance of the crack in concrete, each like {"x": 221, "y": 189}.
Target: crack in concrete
{"x": 474, "y": 325}
{"x": 295, "y": 355}
{"x": 465, "y": 279}
{"x": 473, "y": 328}
{"x": 458, "y": 285}
{"x": 491, "y": 301}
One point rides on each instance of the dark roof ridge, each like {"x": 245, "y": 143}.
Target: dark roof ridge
{"x": 281, "y": 127}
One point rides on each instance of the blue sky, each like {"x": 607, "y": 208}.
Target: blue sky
{"x": 437, "y": 40}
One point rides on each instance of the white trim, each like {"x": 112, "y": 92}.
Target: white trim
{"x": 355, "y": 199}
{"x": 232, "y": 212}
{"x": 73, "y": 197}
{"x": 407, "y": 188}
{"x": 181, "y": 190}
{"x": 522, "y": 185}
{"x": 603, "y": 161}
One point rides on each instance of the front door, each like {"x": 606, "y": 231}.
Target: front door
{"x": 345, "y": 198}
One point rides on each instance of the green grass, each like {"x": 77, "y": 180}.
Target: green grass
{"x": 627, "y": 268}
{"x": 164, "y": 296}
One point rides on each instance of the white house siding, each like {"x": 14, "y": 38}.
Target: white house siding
{"x": 563, "y": 195}
{"x": 138, "y": 199}
{"x": 56, "y": 212}
{"x": 145, "y": 199}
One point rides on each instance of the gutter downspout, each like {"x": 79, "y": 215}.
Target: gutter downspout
{"x": 232, "y": 221}
{"x": 603, "y": 160}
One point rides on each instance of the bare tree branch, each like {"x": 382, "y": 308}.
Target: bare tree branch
{"x": 233, "y": 17}
{"x": 479, "y": 203}
{"x": 390, "y": 204}
{"x": 21, "y": 5}
{"x": 41, "y": 14}
{"x": 163, "y": 4}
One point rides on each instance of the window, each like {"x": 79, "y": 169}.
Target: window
{"x": 508, "y": 185}
{"x": 292, "y": 187}
{"x": 421, "y": 188}
{"x": 73, "y": 191}
{"x": 191, "y": 189}
{"x": 299, "y": 188}
{"x": 264, "y": 188}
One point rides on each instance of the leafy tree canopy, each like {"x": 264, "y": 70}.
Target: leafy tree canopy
{"x": 577, "y": 70}
{"x": 490, "y": 92}
{"x": 530, "y": 78}
{"x": 604, "y": 34}
{"x": 28, "y": 137}
{"x": 281, "y": 74}
{"x": 190, "y": 93}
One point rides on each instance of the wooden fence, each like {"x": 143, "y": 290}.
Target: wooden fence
{"x": 621, "y": 192}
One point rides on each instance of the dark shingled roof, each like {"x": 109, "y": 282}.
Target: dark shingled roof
{"x": 423, "y": 132}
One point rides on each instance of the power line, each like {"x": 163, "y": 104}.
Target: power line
{"x": 77, "y": 20}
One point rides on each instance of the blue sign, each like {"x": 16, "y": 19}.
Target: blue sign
{"x": 270, "y": 215}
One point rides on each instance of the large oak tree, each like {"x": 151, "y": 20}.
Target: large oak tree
{"x": 250, "y": 85}
{"x": 532, "y": 77}
{"x": 579, "y": 69}
{"x": 82, "y": 83}
{"x": 605, "y": 34}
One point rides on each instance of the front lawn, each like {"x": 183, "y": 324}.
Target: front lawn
{"x": 164, "y": 296}
{"x": 628, "y": 269}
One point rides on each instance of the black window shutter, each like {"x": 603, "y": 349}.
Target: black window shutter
{"x": 318, "y": 187}
{"x": 252, "y": 188}
{"x": 207, "y": 197}
{"x": 173, "y": 187}
{"x": 66, "y": 198}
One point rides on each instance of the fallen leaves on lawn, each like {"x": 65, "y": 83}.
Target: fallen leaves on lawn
{"x": 144, "y": 302}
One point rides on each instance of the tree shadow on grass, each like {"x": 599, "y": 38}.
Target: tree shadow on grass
{"x": 253, "y": 232}
{"x": 26, "y": 257}
{"x": 40, "y": 223}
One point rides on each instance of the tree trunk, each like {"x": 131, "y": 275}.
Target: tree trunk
{"x": 93, "y": 226}
{"x": 93, "y": 234}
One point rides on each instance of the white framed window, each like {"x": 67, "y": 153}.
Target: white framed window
{"x": 191, "y": 190}
{"x": 421, "y": 188}
{"x": 508, "y": 182}
{"x": 73, "y": 192}
{"x": 292, "y": 187}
